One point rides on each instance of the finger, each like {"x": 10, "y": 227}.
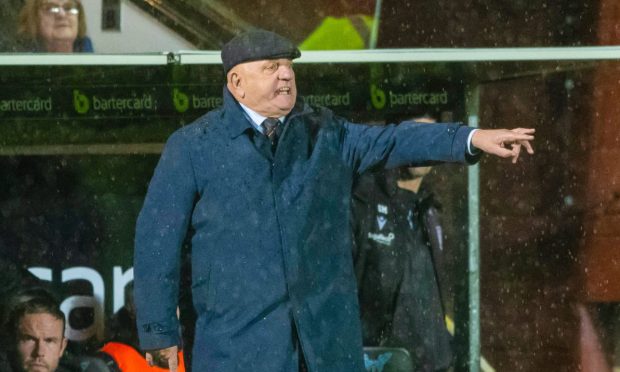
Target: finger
{"x": 528, "y": 147}
{"x": 525, "y": 130}
{"x": 500, "y": 151}
{"x": 516, "y": 150}
{"x": 516, "y": 137}
{"x": 173, "y": 363}
{"x": 149, "y": 359}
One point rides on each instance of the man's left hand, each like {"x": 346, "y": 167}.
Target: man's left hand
{"x": 505, "y": 143}
{"x": 164, "y": 358}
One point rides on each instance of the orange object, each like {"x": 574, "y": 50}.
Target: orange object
{"x": 129, "y": 359}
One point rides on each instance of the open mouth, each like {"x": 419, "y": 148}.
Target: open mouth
{"x": 284, "y": 91}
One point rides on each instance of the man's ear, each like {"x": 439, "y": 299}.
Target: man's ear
{"x": 234, "y": 84}
{"x": 64, "y": 345}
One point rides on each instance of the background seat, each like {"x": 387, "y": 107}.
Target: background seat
{"x": 387, "y": 359}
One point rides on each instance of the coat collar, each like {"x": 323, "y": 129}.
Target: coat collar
{"x": 236, "y": 120}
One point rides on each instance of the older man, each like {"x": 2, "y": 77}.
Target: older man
{"x": 262, "y": 187}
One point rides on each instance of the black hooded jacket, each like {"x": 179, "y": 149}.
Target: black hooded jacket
{"x": 397, "y": 236}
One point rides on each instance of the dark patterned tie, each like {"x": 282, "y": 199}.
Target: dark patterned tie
{"x": 270, "y": 126}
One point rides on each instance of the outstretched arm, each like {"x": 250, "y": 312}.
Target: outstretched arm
{"x": 505, "y": 143}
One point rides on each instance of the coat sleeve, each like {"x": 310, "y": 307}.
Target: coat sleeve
{"x": 160, "y": 231}
{"x": 407, "y": 144}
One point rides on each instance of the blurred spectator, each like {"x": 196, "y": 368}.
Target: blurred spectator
{"x": 35, "y": 329}
{"x": 18, "y": 284}
{"x": 398, "y": 243}
{"x": 54, "y": 26}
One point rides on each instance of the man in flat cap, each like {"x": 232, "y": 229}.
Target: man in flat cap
{"x": 262, "y": 188}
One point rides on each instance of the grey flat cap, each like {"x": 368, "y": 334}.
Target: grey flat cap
{"x": 257, "y": 45}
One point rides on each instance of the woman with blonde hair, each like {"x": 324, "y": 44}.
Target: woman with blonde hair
{"x": 54, "y": 26}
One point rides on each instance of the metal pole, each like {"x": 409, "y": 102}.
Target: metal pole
{"x": 374, "y": 33}
{"x": 473, "y": 267}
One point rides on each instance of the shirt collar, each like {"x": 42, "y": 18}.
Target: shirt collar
{"x": 238, "y": 121}
{"x": 256, "y": 119}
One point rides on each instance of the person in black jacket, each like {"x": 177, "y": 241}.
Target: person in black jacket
{"x": 397, "y": 236}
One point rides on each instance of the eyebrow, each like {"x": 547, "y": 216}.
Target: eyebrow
{"x": 27, "y": 336}
{"x": 279, "y": 61}
{"x": 55, "y": 3}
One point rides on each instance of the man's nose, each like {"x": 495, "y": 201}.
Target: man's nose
{"x": 39, "y": 349}
{"x": 285, "y": 72}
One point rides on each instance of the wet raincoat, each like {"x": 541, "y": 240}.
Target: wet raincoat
{"x": 272, "y": 271}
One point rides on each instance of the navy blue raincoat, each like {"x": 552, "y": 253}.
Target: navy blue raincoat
{"x": 272, "y": 270}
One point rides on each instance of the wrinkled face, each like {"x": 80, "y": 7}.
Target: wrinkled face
{"x": 58, "y": 21}
{"x": 40, "y": 342}
{"x": 267, "y": 86}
